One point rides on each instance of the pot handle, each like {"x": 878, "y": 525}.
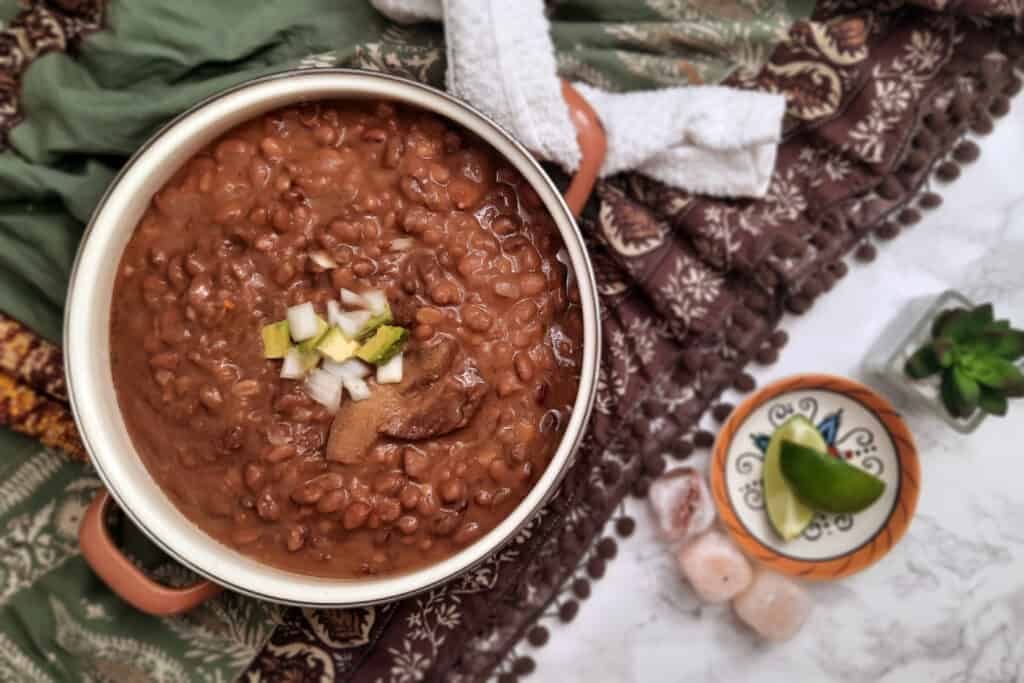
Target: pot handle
{"x": 124, "y": 578}
{"x": 593, "y": 141}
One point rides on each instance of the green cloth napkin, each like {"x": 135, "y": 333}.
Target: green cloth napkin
{"x": 84, "y": 113}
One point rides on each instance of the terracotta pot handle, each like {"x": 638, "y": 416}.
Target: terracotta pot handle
{"x": 123, "y": 577}
{"x": 593, "y": 145}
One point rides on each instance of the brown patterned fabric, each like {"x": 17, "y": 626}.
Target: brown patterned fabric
{"x": 881, "y": 95}
{"x": 43, "y": 27}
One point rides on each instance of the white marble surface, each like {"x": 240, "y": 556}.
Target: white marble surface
{"x": 947, "y": 604}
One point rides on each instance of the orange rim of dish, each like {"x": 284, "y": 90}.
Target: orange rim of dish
{"x": 866, "y": 554}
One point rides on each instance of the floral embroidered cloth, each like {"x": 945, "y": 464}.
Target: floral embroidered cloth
{"x": 880, "y": 98}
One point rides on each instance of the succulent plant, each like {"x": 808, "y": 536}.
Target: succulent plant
{"x": 976, "y": 356}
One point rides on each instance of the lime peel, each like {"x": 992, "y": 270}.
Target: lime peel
{"x": 826, "y": 483}
{"x": 789, "y": 516}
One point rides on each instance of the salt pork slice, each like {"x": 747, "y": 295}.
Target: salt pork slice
{"x": 774, "y": 606}
{"x": 681, "y": 503}
{"x": 714, "y": 567}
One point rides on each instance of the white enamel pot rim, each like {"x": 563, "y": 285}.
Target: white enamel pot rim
{"x": 87, "y": 336}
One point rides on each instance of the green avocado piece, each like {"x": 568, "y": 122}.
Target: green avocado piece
{"x": 383, "y": 345}
{"x": 374, "y": 323}
{"x": 276, "y": 339}
{"x": 336, "y": 346}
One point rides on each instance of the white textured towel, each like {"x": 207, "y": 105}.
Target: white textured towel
{"x": 706, "y": 139}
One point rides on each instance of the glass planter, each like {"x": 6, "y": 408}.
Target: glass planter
{"x": 907, "y": 332}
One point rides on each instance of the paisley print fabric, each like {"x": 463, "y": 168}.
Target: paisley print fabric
{"x": 880, "y": 98}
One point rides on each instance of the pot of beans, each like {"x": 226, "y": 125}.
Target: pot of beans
{"x": 331, "y": 339}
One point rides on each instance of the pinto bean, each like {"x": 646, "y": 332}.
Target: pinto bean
{"x": 408, "y": 524}
{"x": 296, "y": 537}
{"x": 356, "y": 515}
{"x": 267, "y": 506}
{"x": 332, "y": 501}
{"x": 255, "y": 476}
{"x": 307, "y": 494}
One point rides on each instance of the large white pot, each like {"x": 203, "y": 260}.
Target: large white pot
{"x": 87, "y": 348}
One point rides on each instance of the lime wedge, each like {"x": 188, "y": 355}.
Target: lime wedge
{"x": 827, "y": 483}
{"x": 788, "y": 515}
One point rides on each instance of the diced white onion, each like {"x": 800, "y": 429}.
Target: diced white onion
{"x": 356, "y": 388}
{"x": 333, "y": 310}
{"x": 402, "y": 244}
{"x": 292, "y": 368}
{"x": 351, "y": 368}
{"x": 324, "y": 388}
{"x": 376, "y": 301}
{"x": 351, "y": 322}
{"x": 390, "y": 372}
{"x": 323, "y": 259}
{"x": 302, "y": 322}
{"x": 351, "y": 299}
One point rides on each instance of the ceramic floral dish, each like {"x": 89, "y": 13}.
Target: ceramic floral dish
{"x": 859, "y": 426}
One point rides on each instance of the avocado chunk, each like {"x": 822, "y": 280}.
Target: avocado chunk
{"x": 276, "y": 339}
{"x": 336, "y": 346}
{"x": 311, "y": 344}
{"x": 385, "y": 343}
{"x": 374, "y": 323}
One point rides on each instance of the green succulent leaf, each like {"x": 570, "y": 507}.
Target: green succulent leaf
{"x": 950, "y": 396}
{"x": 923, "y": 363}
{"x": 949, "y": 322}
{"x": 960, "y": 392}
{"x": 968, "y": 387}
{"x": 1008, "y": 344}
{"x": 992, "y": 402}
{"x": 945, "y": 352}
{"x": 996, "y": 373}
{"x": 939, "y": 324}
{"x": 984, "y": 314}
{"x": 965, "y": 325}
{"x": 1014, "y": 387}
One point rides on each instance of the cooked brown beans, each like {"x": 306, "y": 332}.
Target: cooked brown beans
{"x": 467, "y": 533}
{"x": 245, "y": 536}
{"x": 389, "y": 484}
{"x": 408, "y": 524}
{"x": 416, "y": 463}
{"x": 296, "y": 537}
{"x": 477, "y": 318}
{"x": 466, "y": 255}
{"x": 332, "y": 501}
{"x": 356, "y": 515}
{"x": 506, "y": 288}
{"x": 255, "y": 476}
{"x": 453, "y": 491}
{"x": 268, "y": 507}
{"x": 524, "y": 367}
{"x": 409, "y": 497}
{"x": 388, "y": 508}
{"x": 307, "y": 494}
{"x": 280, "y": 454}
{"x": 428, "y": 316}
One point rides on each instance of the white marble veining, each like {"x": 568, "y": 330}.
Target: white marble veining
{"x": 947, "y": 604}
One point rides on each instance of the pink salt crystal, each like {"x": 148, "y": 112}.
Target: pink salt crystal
{"x": 681, "y": 503}
{"x": 714, "y": 567}
{"x": 774, "y": 606}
